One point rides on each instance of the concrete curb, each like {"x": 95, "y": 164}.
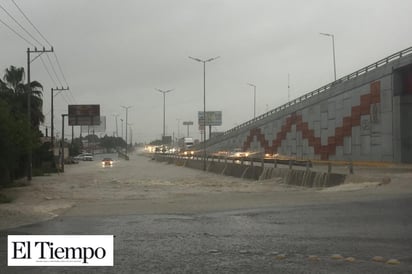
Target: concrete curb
{"x": 305, "y": 178}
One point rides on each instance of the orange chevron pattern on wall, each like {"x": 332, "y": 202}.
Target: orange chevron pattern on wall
{"x": 366, "y": 101}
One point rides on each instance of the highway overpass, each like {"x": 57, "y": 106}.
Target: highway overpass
{"x": 364, "y": 116}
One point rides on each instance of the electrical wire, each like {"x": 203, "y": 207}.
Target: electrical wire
{"x": 67, "y": 97}
{"x": 48, "y": 72}
{"x": 60, "y": 68}
{"x": 28, "y": 20}
{"x": 23, "y": 28}
{"x": 53, "y": 69}
{"x": 18, "y": 34}
{"x": 45, "y": 39}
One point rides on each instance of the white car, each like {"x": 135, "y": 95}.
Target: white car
{"x": 84, "y": 157}
{"x": 87, "y": 157}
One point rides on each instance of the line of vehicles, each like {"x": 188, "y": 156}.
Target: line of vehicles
{"x": 106, "y": 162}
{"x": 185, "y": 149}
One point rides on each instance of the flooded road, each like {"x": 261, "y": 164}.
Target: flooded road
{"x": 170, "y": 219}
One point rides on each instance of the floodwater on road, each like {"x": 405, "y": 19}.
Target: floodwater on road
{"x": 172, "y": 219}
{"x": 142, "y": 185}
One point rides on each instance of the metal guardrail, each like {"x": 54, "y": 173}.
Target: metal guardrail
{"x": 306, "y": 96}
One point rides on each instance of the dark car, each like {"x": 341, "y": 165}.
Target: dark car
{"x": 107, "y": 162}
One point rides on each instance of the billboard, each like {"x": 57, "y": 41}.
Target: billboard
{"x": 96, "y": 128}
{"x": 84, "y": 115}
{"x": 213, "y": 118}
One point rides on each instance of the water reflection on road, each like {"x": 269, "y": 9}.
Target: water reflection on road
{"x": 170, "y": 219}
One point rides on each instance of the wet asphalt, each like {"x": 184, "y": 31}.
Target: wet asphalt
{"x": 287, "y": 239}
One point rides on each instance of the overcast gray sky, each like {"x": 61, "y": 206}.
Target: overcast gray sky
{"x": 116, "y": 53}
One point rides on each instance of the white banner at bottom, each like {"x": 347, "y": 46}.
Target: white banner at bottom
{"x": 60, "y": 250}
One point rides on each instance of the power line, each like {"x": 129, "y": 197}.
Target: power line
{"x": 55, "y": 73}
{"x": 15, "y": 32}
{"x": 28, "y": 20}
{"x": 53, "y": 79}
{"x": 47, "y": 70}
{"x": 60, "y": 68}
{"x": 44, "y": 38}
{"x": 72, "y": 96}
{"x": 28, "y": 33}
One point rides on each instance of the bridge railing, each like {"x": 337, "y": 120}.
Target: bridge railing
{"x": 306, "y": 96}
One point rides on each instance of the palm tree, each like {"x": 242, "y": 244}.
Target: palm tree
{"x": 15, "y": 91}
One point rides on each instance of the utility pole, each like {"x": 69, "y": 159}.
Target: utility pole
{"x": 333, "y": 49}
{"x": 62, "y": 143}
{"x": 164, "y": 108}
{"x": 52, "y": 112}
{"x": 30, "y": 152}
{"x": 127, "y": 110}
{"x": 72, "y": 137}
{"x": 178, "y": 128}
{"x": 115, "y": 118}
{"x": 204, "y": 103}
{"x": 121, "y": 120}
{"x": 131, "y": 134}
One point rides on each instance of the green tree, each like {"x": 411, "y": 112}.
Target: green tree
{"x": 13, "y": 144}
{"x": 15, "y": 91}
{"x": 111, "y": 143}
{"x": 15, "y": 138}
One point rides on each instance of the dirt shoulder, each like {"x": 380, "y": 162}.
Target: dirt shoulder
{"x": 141, "y": 186}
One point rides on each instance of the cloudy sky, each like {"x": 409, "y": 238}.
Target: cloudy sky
{"x": 116, "y": 53}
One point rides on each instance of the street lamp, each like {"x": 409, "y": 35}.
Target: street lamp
{"x": 254, "y": 99}
{"x": 204, "y": 103}
{"x": 121, "y": 120}
{"x": 333, "y": 47}
{"x": 62, "y": 143}
{"x": 52, "y": 113}
{"x": 127, "y": 110}
{"x": 178, "y": 128}
{"x": 115, "y": 118}
{"x": 164, "y": 108}
{"x": 131, "y": 134}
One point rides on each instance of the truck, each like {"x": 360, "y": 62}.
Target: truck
{"x": 185, "y": 145}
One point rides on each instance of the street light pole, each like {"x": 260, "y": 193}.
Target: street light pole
{"x": 127, "y": 110}
{"x": 131, "y": 134}
{"x": 333, "y": 48}
{"x": 121, "y": 120}
{"x": 178, "y": 128}
{"x": 254, "y": 99}
{"x": 204, "y": 103}
{"x": 164, "y": 108}
{"x": 115, "y": 117}
{"x": 52, "y": 113}
{"x": 62, "y": 142}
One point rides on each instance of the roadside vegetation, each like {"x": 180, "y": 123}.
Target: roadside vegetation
{"x": 16, "y": 140}
{"x": 15, "y": 137}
